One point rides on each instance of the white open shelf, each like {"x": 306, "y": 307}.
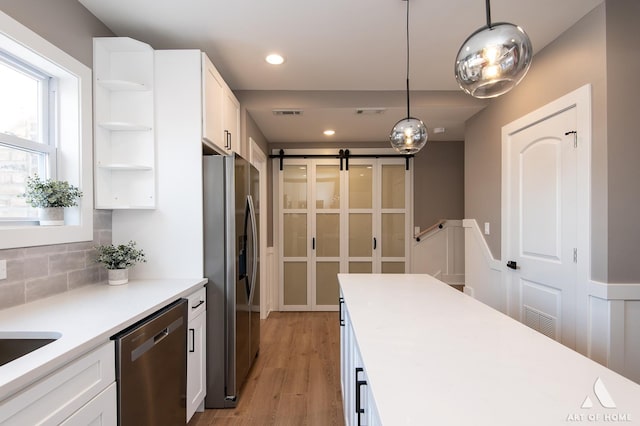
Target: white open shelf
{"x": 123, "y": 85}
{"x": 124, "y": 119}
{"x": 125, "y": 167}
{"x": 121, "y": 126}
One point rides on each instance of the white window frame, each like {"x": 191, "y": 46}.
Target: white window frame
{"x": 46, "y": 121}
{"x": 72, "y": 129}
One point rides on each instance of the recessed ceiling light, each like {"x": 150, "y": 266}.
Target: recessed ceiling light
{"x": 274, "y": 59}
{"x": 329, "y": 132}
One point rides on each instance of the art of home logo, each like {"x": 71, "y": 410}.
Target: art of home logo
{"x": 604, "y": 400}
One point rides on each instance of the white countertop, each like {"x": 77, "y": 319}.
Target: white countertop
{"x": 434, "y": 355}
{"x": 86, "y": 318}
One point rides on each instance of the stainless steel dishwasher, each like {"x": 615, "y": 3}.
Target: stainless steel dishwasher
{"x": 151, "y": 369}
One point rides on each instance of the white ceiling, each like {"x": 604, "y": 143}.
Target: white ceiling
{"x": 340, "y": 55}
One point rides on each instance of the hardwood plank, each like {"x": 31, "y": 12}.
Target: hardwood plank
{"x": 296, "y": 378}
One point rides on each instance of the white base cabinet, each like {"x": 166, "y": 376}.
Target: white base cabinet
{"x": 358, "y": 403}
{"x": 196, "y": 353}
{"x": 82, "y": 392}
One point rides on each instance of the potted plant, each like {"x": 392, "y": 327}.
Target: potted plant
{"x": 118, "y": 259}
{"x": 50, "y": 197}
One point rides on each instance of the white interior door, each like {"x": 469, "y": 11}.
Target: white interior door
{"x": 542, "y": 225}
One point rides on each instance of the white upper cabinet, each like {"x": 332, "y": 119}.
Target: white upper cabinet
{"x": 124, "y": 124}
{"x": 220, "y": 112}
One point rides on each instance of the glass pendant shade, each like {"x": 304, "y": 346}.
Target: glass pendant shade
{"x": 408, "y": 136}
{"x": 493, "y": 60}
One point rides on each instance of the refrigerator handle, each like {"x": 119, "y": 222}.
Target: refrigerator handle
{"x": 254, "y": 233}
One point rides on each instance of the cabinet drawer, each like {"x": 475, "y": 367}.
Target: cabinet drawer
{"x": 100, "y": 411}
{"x": 197, "y": 303}
{"x": 57, "y": 396}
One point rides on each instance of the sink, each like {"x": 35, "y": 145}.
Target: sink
{"x": 14, "y": 344}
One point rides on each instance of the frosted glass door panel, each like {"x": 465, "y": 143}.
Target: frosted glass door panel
{"x": 295, "y": 283}
{"x": 393, "y": 267}
{"x": 295, "y": 234}
{"x": 360, "y": 235}
{"x": 360, "y": 267}
{"x": 328, "y": 235}
{"x": 294, "y": 187}
{"x": 392, "y": 235}
{"x": 327, "y": 187}
{"x": 360, "y": 187}
{"x": 393, "y": 186}
{"x": 327, "y": 291}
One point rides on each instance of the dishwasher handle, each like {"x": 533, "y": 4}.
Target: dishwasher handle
{"x": 148, "y": 344}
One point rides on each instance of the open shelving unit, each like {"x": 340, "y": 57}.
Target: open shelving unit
{"x": 124, "y": 124}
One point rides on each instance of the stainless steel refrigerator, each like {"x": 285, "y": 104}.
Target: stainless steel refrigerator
{"x": 231, "y": 265}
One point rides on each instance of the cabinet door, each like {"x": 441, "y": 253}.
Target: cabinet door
{"x": 212, "y": 106}
{"x": 196, "y": 367}
{"x": 57, "y": 396}
{"x": 231, "y": 123}
{"x": 100, "y": 411}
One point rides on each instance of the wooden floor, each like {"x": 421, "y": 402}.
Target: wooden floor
{"x": 296, "y": 378}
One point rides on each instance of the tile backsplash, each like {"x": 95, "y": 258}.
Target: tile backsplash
{"x": 37, "y": 272}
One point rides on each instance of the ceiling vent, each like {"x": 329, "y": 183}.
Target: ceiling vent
{"x": 287, "y": 112}
{"x": 370, "y": 111}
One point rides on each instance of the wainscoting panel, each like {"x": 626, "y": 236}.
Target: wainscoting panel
{"x": 483, "y": 273}
{"x": 598, "y": 349}
{"x": 612, "y": 328}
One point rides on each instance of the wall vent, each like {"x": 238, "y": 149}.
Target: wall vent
{"x": 287, "y": 112}
{"x": 370, "y": 111}
{"x": 541, "y": 322}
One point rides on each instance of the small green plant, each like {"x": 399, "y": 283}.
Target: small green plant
{"x": 50, "y": 193}
{"x": 120, "y": 256}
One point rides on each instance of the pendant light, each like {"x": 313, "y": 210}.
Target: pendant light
{"x": 493, "y": 59}
{"x": 409, "y": 135}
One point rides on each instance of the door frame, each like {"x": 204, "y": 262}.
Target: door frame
{"x": 258, "y": 159}
{"x": 581, "y": 100}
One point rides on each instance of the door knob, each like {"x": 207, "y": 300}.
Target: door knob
{"x": 512, "y": 264}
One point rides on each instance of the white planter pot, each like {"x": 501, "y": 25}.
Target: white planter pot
{"x": 118, "y": 276}
{"x": 51, "y": 216}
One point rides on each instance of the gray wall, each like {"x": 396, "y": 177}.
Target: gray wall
{"x": 623, "y": 142}
{"x": 37, "y": 272}
{"x": 438, "y": 183}
{"x": 65, "y": 23}
{"x": 576, "y": 58}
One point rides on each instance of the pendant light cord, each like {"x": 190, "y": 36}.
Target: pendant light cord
{"x": 488, "y": 10}
{"x": 408, "y": 110}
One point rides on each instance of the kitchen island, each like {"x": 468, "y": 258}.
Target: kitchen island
{"x": 430, "y": 354}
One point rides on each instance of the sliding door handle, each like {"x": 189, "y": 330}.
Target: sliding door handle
{"x": 375, "y": 243}
{"x": 313, "y": 243}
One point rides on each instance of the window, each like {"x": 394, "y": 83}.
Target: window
{"x": 45, "y": 128}
{"x": 27, "y": 146}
